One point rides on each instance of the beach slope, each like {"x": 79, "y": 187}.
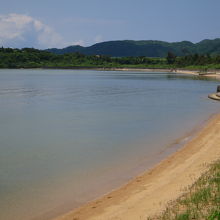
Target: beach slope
{"x": 149, "y": 193}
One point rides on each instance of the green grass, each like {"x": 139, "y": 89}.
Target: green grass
{"x": 201, "y": 200}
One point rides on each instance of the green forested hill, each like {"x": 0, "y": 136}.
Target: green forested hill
{"x": 148, "y": 48}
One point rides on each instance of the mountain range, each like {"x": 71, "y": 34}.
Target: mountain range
{"x": 149, "y": 48}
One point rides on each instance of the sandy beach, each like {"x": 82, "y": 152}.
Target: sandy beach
{"x": 210, "y": 73}
{"x": 148, "y": 194}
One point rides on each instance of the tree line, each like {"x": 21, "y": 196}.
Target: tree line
{"x": 34, "y": 58}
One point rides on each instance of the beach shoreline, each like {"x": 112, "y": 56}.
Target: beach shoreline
{"x": 149, "y": 193}
{"x": 209, "y": 73}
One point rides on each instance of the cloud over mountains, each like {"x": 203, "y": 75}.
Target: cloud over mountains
{"x": 19, "y": 30}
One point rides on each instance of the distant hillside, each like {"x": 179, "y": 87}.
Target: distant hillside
{"x": 147, "y": 48}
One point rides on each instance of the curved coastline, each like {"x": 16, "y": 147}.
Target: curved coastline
{"x": 148, "y": 194}
{"x": 125, "y": 172}
{"x": 215, "y": 73}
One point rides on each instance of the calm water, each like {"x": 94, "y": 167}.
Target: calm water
{"x": 68, "y": 136}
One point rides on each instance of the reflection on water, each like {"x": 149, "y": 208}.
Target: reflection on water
{"x": 192, "y": 77}
{"x": 67, "y": 136}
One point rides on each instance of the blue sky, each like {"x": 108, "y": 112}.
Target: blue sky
{"x": 59, "y": 23}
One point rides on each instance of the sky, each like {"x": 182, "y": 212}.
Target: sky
{"x": 60, "y": 23}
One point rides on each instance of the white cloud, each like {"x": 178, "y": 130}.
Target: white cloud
{"x": 19, "y": 30}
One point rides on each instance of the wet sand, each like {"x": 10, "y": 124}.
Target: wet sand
{"x": 148, "y": 194}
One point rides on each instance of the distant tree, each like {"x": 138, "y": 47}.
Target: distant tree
{"x": 185, "y": 51}
{"x": 171, "y": 58}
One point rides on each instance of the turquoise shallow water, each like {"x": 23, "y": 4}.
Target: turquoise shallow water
{"x": 67, "y": 136}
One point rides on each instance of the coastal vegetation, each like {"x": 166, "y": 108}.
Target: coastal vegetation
{"x": 34, "y": 58}
{"x": 202, "y": 200}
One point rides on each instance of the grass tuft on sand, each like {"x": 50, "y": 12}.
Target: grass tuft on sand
{"x": 201, "y": 200}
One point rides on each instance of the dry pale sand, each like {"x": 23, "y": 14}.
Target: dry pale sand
{"x": 213, "y": 73}
{"x": 149, "y": 193}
